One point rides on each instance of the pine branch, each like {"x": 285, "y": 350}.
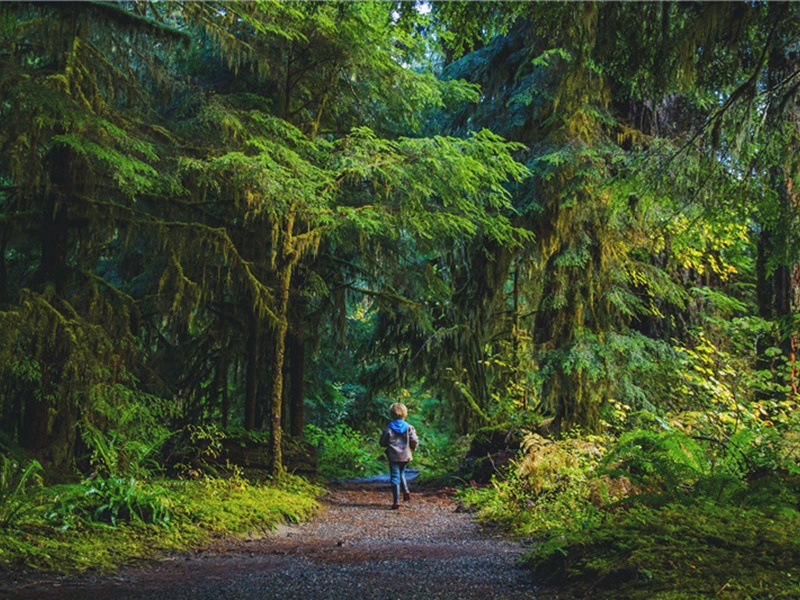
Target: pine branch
{"x": 24, "y": 216}
{"x": 716, "y": 118}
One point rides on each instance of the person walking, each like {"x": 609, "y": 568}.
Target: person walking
{"x": 400, "y": 439}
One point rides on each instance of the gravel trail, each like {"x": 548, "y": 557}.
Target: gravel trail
{"x": 356, "y": 549}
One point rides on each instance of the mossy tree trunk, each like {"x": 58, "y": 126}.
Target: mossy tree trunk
{"x": 222, "y": 387}
{"x": 54, "y": 232}
{"x": 252, "y": 369}
{"x": 49, "y": 420}
{"x": 3, "y": 266}
{"x": 287, "y": 258}
{"x": 296, "y": 382}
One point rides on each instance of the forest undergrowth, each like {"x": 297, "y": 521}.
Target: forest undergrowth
{"x": 105, "y": 522}
{"x": 665, "y": 510}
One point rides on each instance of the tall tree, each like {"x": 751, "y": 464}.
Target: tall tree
{"x": 75, "y": 153}
{"x": 621, "y": 124}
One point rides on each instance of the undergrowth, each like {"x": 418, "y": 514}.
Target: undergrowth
{"x": 658, "y": 513}
{"x": 677, "y": 551}
{"x": 439, "y": 456}
{"x": 77, "y": 529}
{"x": 344, "y": 452}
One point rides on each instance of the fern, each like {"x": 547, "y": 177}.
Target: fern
{"x": 658, "y": 462}
{"x": 19, "y": 488}
{"x": 111, "y": 501}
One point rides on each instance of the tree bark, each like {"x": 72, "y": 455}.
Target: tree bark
{"x": 286, "y": 261}
{"x": 515, "y": 334}
{"x": 54, "y": 232}
{"x": 776, "y": 274}
{"x": 47, "y": 425}
{"x": 3, "y": 267}
{"x": 296, "y": 383}
{"x": 251, "y": 381}
{"x": 218, "y": 387}
{"x": 49, "y": 428}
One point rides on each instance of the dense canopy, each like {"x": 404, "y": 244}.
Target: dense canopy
{"x": 544, "y": 215}
{"x": 219, "y": 219}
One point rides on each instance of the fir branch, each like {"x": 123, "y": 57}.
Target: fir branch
{"x": 115, "y": 12}
{"x": 384, "y": 295}
{"x": 113, "y": 289}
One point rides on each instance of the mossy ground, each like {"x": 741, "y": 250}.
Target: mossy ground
{"x": 678, "y": 552}
{"x": 200, "y": 510}
{"x": 653, "y": 515}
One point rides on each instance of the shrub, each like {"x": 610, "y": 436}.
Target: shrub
{"x": 20, "y": 488}
{"x": 552, "y": 485}
{"x": 111, "y": 501}
{"x": 124, "y": 430}
{"x": 664, "y": 462}
{"x": 200, "y": 510}
{"x": 344, "y": 452}
{"x": 676, "y": 551}
{"x": 662, "y": 515}
{"x": 439, "y": 455}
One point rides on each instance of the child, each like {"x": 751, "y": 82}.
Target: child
{"x": 399, "y": 438}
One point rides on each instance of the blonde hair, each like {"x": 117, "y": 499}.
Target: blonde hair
{"x": 398, "y": 410}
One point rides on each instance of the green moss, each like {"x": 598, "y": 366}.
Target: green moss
{"x": 675, "y": 551}
{"x": 658, "y": 517}
{"x": 200, "y": 509}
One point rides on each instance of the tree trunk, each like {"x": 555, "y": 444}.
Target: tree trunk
{"x": 54, "y": 244}
{"x": 764, "y": 291}
{"x": 221, "y": 374}
{"x": 776, "y": 274}
{"x": 515, "y": 335}
{"x": 35, "y": 434}
{"x": 296, "y": 383}
{"x": 285, "y": 263}
{"x": 48, "y": 426}
{"x": 54, "y": 233}
{"x": 251, "y": 381}
{"x": 3, "y": 267}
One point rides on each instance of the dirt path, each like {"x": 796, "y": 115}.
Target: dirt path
{"x": 356, "y": 549}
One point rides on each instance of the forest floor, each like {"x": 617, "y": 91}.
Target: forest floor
{"x": 355, "y": 549}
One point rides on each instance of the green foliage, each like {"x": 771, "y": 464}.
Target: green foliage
{"x": 569, "y": 223}
{"x": 439, "y": 455}
{"x": 344, "y": 452}
{"x": 200, "y": 510}
{"x": 677, "y": 551}
{"x": 552, "y": 486}
{"x": 201, "y": 446}
{"x": 441, "y": 450}
{"x": 332, "y": 403}
{"x": 112, "y": 501}
{"x": 658, "y": 461}
{"x": 236, "y": 505}
{"x": 125, "y": 430}
{"x": 657, "y": 513}
{"x": 20, "y": 490}
{"x": 735, "y": 363}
